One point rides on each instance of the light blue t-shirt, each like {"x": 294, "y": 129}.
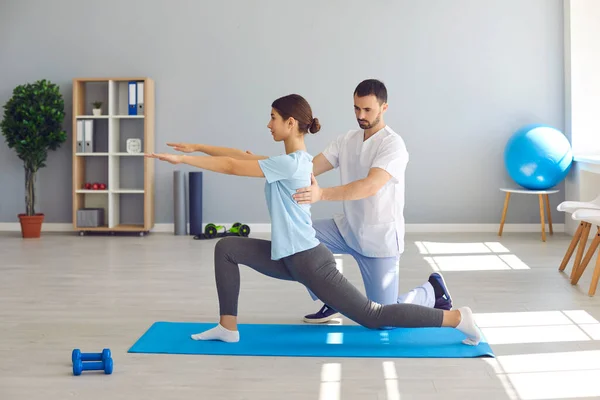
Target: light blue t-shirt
{"x": 291, "y": 224}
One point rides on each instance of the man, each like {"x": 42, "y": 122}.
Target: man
{"x": 372, "y": 163}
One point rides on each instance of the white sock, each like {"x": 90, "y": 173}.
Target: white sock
{"x": 468, "y": 327}
{"x": 218, "y": 333}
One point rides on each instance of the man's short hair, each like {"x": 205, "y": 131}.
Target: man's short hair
{"x": 372, "y": 87}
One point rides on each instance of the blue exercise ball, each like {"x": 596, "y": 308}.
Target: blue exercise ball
{"x": 538, "y": 157}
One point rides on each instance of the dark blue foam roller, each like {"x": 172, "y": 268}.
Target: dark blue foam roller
{"x": 195, "y": 202}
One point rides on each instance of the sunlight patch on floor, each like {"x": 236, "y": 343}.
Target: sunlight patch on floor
{"x": 538, "y": 327}
{"x": 475, "y": 263}
{"x": 331, "y": 378}
{"x": 558, "y": 375}
{"x": 482, "y": 256}
{"x": 460, "y": 248}
{"x": 391, "y": 380}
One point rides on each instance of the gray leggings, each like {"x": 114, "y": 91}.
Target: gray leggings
{"x": 316, "y": 270}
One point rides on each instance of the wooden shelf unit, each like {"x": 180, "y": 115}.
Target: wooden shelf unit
{"x": 127, "y": 208}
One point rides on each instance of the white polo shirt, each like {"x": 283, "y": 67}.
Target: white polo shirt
{"x": 373, "y": 226}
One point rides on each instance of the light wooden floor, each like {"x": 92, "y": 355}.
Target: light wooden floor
{"x": 65, "y": 291}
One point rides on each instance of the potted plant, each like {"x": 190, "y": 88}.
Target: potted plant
{"x": 97, "y": 108}
{"x": 32, "y": 125}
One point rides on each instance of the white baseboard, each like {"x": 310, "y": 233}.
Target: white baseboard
{"x": 46, "y": 227}
{"x": 266, "y": 228}
{"x": 482, "y": 228}
{"x": 160, "y": 228}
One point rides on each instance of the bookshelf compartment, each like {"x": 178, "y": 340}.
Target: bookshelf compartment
{"x": 127, "y": 174}
{"x": 91, "y": 170}
{"x": 131, "y": 209}
{"x": 93, "y": 200}
{"x": 121, "y": 130}
{"x": 95, "y": 143}
{"x": 119, "y": 93}
{"x": 89, "y": 92}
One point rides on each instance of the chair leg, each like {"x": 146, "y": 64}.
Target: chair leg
{"x": 549, "y": 214}
{"x": 542, "y": 217}
{"x": 580, "y": 248}
{"x": 572, "y": 246}
{"x": 596, "y": 275}
{"x": 586, "y": 260}
{"x": 506, "y": 200}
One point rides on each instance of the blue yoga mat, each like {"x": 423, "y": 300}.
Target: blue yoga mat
{"x": 311, "y": 341}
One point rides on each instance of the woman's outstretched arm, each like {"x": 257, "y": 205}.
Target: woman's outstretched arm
{"x": 215, "y": 151}
{"x": 220, "y": 164}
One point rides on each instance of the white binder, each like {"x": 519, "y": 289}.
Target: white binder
{"x": 140, "y": 98}
{"x": 80, "y": 137}
{"x": 89, "y": 135}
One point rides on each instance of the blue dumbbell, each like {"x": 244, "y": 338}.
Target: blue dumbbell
{"x": 78, "y": 355}
{"x": 106, "y": 365}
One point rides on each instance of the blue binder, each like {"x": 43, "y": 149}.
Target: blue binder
{"x": 132, "y": 98}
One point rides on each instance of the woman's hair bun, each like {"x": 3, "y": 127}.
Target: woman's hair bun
{"x": 315, "y": 126}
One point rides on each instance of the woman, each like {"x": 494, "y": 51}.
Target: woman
{"x": 294, "y": 253}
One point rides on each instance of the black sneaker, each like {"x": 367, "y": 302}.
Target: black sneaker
{"x": 325, "y": 314}
{"x": 443, "y": 300}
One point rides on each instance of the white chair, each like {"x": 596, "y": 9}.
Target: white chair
{"x": 542, "y": 196}
{"x": 581, "y": 234}
{"x": 592, "y": 217}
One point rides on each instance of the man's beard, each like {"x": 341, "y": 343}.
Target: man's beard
{"x": 364, "y": 124}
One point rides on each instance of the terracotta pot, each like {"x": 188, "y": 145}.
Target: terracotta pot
{"x": 31, "y": 227}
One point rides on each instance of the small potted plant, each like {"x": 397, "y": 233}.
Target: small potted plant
{"x": 97, "y": 108}
{"x": 32, "y": 125}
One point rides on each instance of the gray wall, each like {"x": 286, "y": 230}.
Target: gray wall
{"x": 462, "y": 76}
